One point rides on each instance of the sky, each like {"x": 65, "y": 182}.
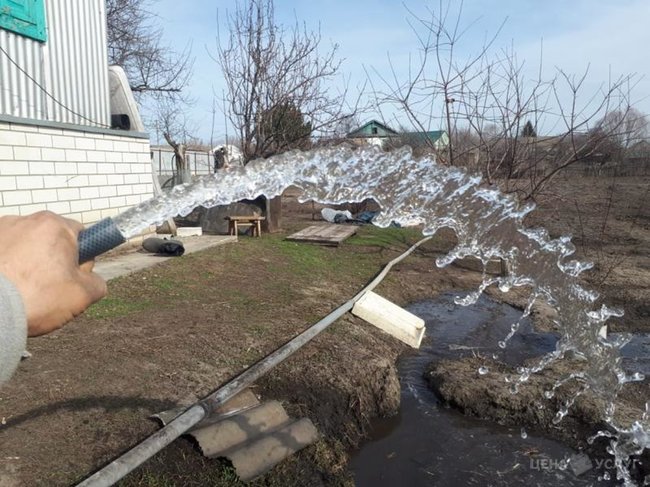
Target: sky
{"x": 611, "y": 37}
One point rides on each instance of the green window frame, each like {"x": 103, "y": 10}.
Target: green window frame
{"x": 24, "y": 17}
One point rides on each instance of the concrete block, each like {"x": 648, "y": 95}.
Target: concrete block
{"x": 44, "y": 168}
{"x": 6, "y": 153}
{"x": 56, "y": 181}
{"x": 7, "y": 183}
{"x": 107, "y": 191}
{"x": 27, "y": 153}
{"x": 30, "y": 182}
{"x": 115, "y": 157}
{"x": 85, "y": 143}
{"x": 44, "y": 195}
{"x": 390, "y": 318}
{"x": 68, "y": 193}
{"x": 87, "y": 167}
{"x": 97, "y": 179}
{"x": 100, "y": 203}
{"x": 104, "y": 145}
{"x": 96, "y": 156}
{"x": 106, "y": 168}
{"x": 89, "y": 193}
{"x": 76, "y": 155}
{"x": 63, "y": 142}
{"x": 117, "y": 201}
{"x": 12, "y": 137}
{"x": 14, "y": 168}
{"x": 80, "y": 181}
{"x": 65, "y": 168}
{"x": 54, "y": 155}
{"x": 60, "y": 207}
{"x": 17, "y": 198}
{"x": 115, "y": 179}
{"x": 38, "y": 140}
{"x": 189, "y": 231}
{"x": 79, "y": 206}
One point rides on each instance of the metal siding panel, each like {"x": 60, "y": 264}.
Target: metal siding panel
{"x": 18, "y": 90}
{"x": 71, "y": 66}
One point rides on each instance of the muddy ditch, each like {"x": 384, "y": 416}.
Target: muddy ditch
{"x": 459, "y": 424}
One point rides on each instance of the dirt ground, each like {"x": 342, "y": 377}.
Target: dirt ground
{"x": 173, "y": 333}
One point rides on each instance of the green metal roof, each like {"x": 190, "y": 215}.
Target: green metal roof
{"x": 432, "y": 136}
{"x": 377, "y": 129}
{"x": 373, "y": 129}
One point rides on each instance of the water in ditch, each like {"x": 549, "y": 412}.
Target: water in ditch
{"x": 488, "y": 225}
{"x": 429, "y": 444}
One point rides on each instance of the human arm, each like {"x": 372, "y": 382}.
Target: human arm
{"x": 13, "y": 328}
{"x": 39, "y": 258}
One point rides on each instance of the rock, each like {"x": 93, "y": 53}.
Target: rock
{"x": 214, "y": 219}
{"x": 193, "y": 219}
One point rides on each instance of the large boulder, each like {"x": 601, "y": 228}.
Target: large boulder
{"x": 213, "y": 220}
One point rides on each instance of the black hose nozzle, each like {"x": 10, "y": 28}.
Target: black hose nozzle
{"x": 99, "y": 238}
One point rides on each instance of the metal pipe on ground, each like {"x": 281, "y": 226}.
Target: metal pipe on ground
{"x": 135, "y": 457}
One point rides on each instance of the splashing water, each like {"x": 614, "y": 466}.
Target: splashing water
{"x": 488, "y": 224}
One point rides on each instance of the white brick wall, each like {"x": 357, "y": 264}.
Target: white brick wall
{"x": 83, "y": 175}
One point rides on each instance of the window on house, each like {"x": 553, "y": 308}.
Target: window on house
{"x": 24, "y": 17}
{"x": 374, "y": 130}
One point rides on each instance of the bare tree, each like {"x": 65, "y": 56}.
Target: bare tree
{"x": 172, "y": 122}
{"x": 487, "y": 102}
{"x": 625, "y": 127}
{"x": 134, "y": 42}
{"x": 266, "y": 67}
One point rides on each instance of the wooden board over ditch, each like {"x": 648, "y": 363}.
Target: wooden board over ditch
{"x": 324, "y": 234}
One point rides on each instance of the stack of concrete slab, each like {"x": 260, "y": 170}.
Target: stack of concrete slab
{"x": 254, "y": 436}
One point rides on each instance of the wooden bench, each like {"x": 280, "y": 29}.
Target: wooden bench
{"x": 253, "y": 221}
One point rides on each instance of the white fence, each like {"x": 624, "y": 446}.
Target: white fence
{"x": 165, "y": 163}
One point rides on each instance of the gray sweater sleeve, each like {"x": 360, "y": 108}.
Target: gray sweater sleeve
{"x": 13, "y": 328}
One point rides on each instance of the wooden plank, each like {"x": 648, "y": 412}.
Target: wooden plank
{"x": 390, "y": 318}
{"x": 324, "y": 234}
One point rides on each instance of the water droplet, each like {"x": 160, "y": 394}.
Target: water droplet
{"x": 502, "y": 344}
{"x": 549, "y": 394}
{"x": 559, "y": 416}
{"x": 606, "y": 476}
{"x": 524, "y": 435}
{"x": 514, "y": 389}
{"x": 483, "y": 370}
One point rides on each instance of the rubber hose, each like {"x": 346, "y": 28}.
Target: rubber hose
{"x": 99, "y": 238}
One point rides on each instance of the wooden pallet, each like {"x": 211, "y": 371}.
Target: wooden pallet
{"x": 324, "y": 234}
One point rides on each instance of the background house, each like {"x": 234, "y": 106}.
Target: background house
{"x": 376, "y": 133}
{"x": 57, "y": 148}
{"x": 372, "y": 133}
